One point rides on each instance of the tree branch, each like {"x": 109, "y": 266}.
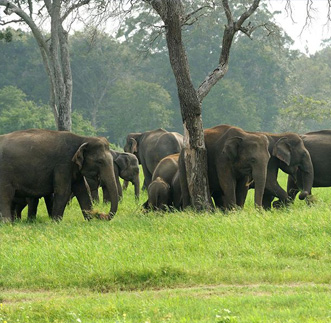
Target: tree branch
{"x": 191, "y": 14}
{"x": 11, "y": 21}
{"x": 230, "y": 30}
{"x": 227, "y": 11}
{"x": 73, "y": 7}
{"x": 247, "y": 14}
{"x": 30, "y": 7}
{"x": 48, "y": 5}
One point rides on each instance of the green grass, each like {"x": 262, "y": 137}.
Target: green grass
{"x": 242, "y": 266}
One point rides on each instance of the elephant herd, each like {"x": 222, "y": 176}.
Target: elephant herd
{"x": 237, "y": 160}
{"x": 57, "y": 165}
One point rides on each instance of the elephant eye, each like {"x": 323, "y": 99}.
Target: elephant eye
{"x": 99, "y": 161}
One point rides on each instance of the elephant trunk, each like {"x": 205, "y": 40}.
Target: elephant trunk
{"x": 259, "y": 177}
{"x": 307, "y": 173}
{"x": 136, "y": 183}
{"x": 109, "y": 182}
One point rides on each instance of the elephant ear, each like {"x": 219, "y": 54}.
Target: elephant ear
{"x": 121, "y": 161}
{"x": 282, "y": 150}
{"x": 133, "y": 145}
{"x": 78, "y": 158}
{"x": 231, "y": 147}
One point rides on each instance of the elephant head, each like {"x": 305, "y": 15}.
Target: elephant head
{"x": 249, "y": 156}
{"x": 158, "y": 194}
{"x": 128, "y": 168}
{"x": 132, "y": 141}
{"x": 94, "y": 160}
{"x": 293, "y": 155}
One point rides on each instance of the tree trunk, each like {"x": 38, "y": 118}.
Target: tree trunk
{"x": 194, "y": 146}
{"x": 60, "y": 64}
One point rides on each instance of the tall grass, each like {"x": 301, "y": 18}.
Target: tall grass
{"x": 191, "y": 254}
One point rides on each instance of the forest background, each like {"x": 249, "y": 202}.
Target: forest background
{"x": 122, "y": 83}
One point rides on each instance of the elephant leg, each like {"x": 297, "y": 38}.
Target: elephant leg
{"x": 32, "y": 208}
{"x": 125, "y": 185}
{"x": 228, "y": 187}
{"x": 146, "y": 205}
{"x": 145, "y": 186}
{"x": 148, "y": 177}
{"x": 6, "y": 200}
{"x": 17, "y": 207}
{"x": 82, "y": 192}
{"x": 218, "y": 200}
{"x": 119, "y": 187}
{"x": 292, "y": 188}
{"x": 94, "y": 184}
{"x": 95, "y": 195}
{"x": 176, "y": 192}
{"x": 49, "y": 203}
{"x": 267, "y": 199}
{"x": 62, "y": 192}
{"x": 241, "y": 191}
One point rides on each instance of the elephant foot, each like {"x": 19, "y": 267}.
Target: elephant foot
{"x": 279, "y": 204}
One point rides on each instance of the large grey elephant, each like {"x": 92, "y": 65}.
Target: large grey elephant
{"x": 126, "y": 166}
{"x": 318, "y": 144}
{"x": 234, "y": 158}
{"x": 151, "y": 146}
{"x": 164, "y": 190}
{"x": 36, "y": 163}
{"x": 289, "y": 154}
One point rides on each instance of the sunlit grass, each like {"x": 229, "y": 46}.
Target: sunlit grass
{"x": 179, "y": 266}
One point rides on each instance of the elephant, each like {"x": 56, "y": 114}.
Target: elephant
{"x": 37, "y": 162}
{"x": 126, "y": 166}
{"x": 164, "y": 190}
{"x": 318, "y": 144}
{"x": 151, "y": 146}
{"x": 288, "y": 153}
{"x": 234, "y": 159}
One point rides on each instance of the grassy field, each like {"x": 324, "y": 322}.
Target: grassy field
{"x": 242, "y": 266}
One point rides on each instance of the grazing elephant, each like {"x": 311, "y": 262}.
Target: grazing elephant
{"x": 151, "y": 146}
{"x": 234, "y": 159}
{"x": 288, "y": 153}
{"x": 126, "y": 166}
{"x": 318, "y": 144}
{"x": 164, "y": 191}
{"x": 36, "y": 163}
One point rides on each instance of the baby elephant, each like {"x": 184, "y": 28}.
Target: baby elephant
{"x": 164, "y": 190}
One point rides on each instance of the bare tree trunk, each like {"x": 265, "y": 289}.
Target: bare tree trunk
{"x": 194, "y": 146}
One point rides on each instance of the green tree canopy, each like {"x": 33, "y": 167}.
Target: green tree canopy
{"x": 136, "y": 105}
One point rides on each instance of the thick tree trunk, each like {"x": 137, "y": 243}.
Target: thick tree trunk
{"x": 194, "y": 146}
{"x": 61, "y": 66}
